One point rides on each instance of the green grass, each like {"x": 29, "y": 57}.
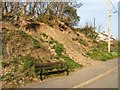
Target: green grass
{"x": 36, "y": 43}
{"x": 28, "y": 62}
{"x": 81, "y": 41}
{"x": 1, "y": 53}
{"x": 23, "y": 34}
{"x": 101, "y": 55}
{"x": 70, "y": 62}
{"x": 59, "y": 49}
{"x": 100, "y": 52}
{"x": 0, "y": 78}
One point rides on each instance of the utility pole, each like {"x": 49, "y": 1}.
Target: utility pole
{"x": 109, "y": 25}
{"x": 94, "y": 24}
{"x": 94, "y": 30}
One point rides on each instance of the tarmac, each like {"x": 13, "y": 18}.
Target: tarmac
{"x": 78, "y": 78}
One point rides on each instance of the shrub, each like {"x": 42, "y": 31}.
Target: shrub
{"x": 23, "y": 34}
{"x": 0, "y": 78}
{"x": 5, "y": 64}
{"x": 72, "y": 64}
{"x": 90, "y": 36}
{"x": 5, "y": 30}
{"x": 1, "y": 53}
{"x": 74, "y": 39}
{"x": 36, "y": 43}
{"x": 59, "y": 49}
{"x": 47, "y": 19}
{"x": 114, "y": 54}
{"x": 8, "y": 18}
{"x": 28, "y": 62}
{"x": 101, "y": 55}
{"x": 81, "y": 41}
{"x": 17, "y": 58}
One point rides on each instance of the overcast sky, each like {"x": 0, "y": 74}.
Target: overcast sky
{"x": 98, "y": 9}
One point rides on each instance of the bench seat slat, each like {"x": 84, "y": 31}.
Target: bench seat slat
{"x": 54, "y": 71}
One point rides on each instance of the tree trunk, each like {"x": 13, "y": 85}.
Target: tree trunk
{"x": 24, "y": 9}
{"x": 15, "y": 8}
{"x": 33, "y": 9}
{"x": 5, "y": 11}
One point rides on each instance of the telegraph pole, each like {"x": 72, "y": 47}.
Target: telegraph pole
{"x": 109, "y": 25}
{"x": 94, "y": 24}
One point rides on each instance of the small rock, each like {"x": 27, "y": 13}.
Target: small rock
{"x": 34, "y": 79}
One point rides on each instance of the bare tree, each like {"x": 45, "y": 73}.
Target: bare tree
{"x": 5, "y": 10}
{"x": 23, "y": 11}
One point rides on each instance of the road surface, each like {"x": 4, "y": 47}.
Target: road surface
{"x": 102, "y": 75}
{"x": 0, "y": 58}
{"x": 108, "y": 80}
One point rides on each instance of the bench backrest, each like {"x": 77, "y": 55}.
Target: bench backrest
{"x": 49, "y": 64}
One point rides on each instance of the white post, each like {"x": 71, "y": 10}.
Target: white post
{"x": 109, "y": 25}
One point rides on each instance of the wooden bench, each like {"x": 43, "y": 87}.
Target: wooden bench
{"x": 51, "y": 67}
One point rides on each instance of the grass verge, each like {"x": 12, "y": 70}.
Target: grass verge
{"x": 101, "y": 55}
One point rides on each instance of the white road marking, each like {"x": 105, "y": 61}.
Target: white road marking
{"x": 95, "y": 78}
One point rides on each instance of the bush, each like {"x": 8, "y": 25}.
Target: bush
{"x": 0, "y": 78}
{"x": 81, "y": 41}
{"x": 59, "y": 49}
{"x": 47, "y": 19}
{"x": 114, "y": 54}
{"x": 74, "y": 39}
{"x": 5, "y": 64}
{"x": 28, "y": 62}
{"x": 36, "y": 43}
{"x": 101, "y": 55}
{"x": 1, "y": 53}
{"x": 23, "y": 34}
{"x": 72, "y": 64}
{"x": 8, "y": 18}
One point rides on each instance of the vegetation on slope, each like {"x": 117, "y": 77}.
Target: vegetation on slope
{"x": 61, "y": 53}
{"x": 22, "y": 50}
{"x": 99, "y": 50}
{"x": 19, "y": 57}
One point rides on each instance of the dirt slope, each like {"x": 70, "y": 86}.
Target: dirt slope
{"x": 22, "y": 49}
{"x": 74, "y": 49}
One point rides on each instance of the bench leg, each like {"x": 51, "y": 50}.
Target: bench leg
{"x": 41, "y": 75}
{"x": 67, "y": 72}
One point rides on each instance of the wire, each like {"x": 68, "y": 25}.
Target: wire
{"x": 115, "y": 8}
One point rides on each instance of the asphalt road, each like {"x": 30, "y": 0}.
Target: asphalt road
{"x": 88, "y": 77}
{"x": 109, "y": 80}
{"x": 0, "y": 42}
{"x": 0, "y": 58}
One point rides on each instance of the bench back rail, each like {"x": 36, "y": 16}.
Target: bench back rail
{"x": 45, "y": 68}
